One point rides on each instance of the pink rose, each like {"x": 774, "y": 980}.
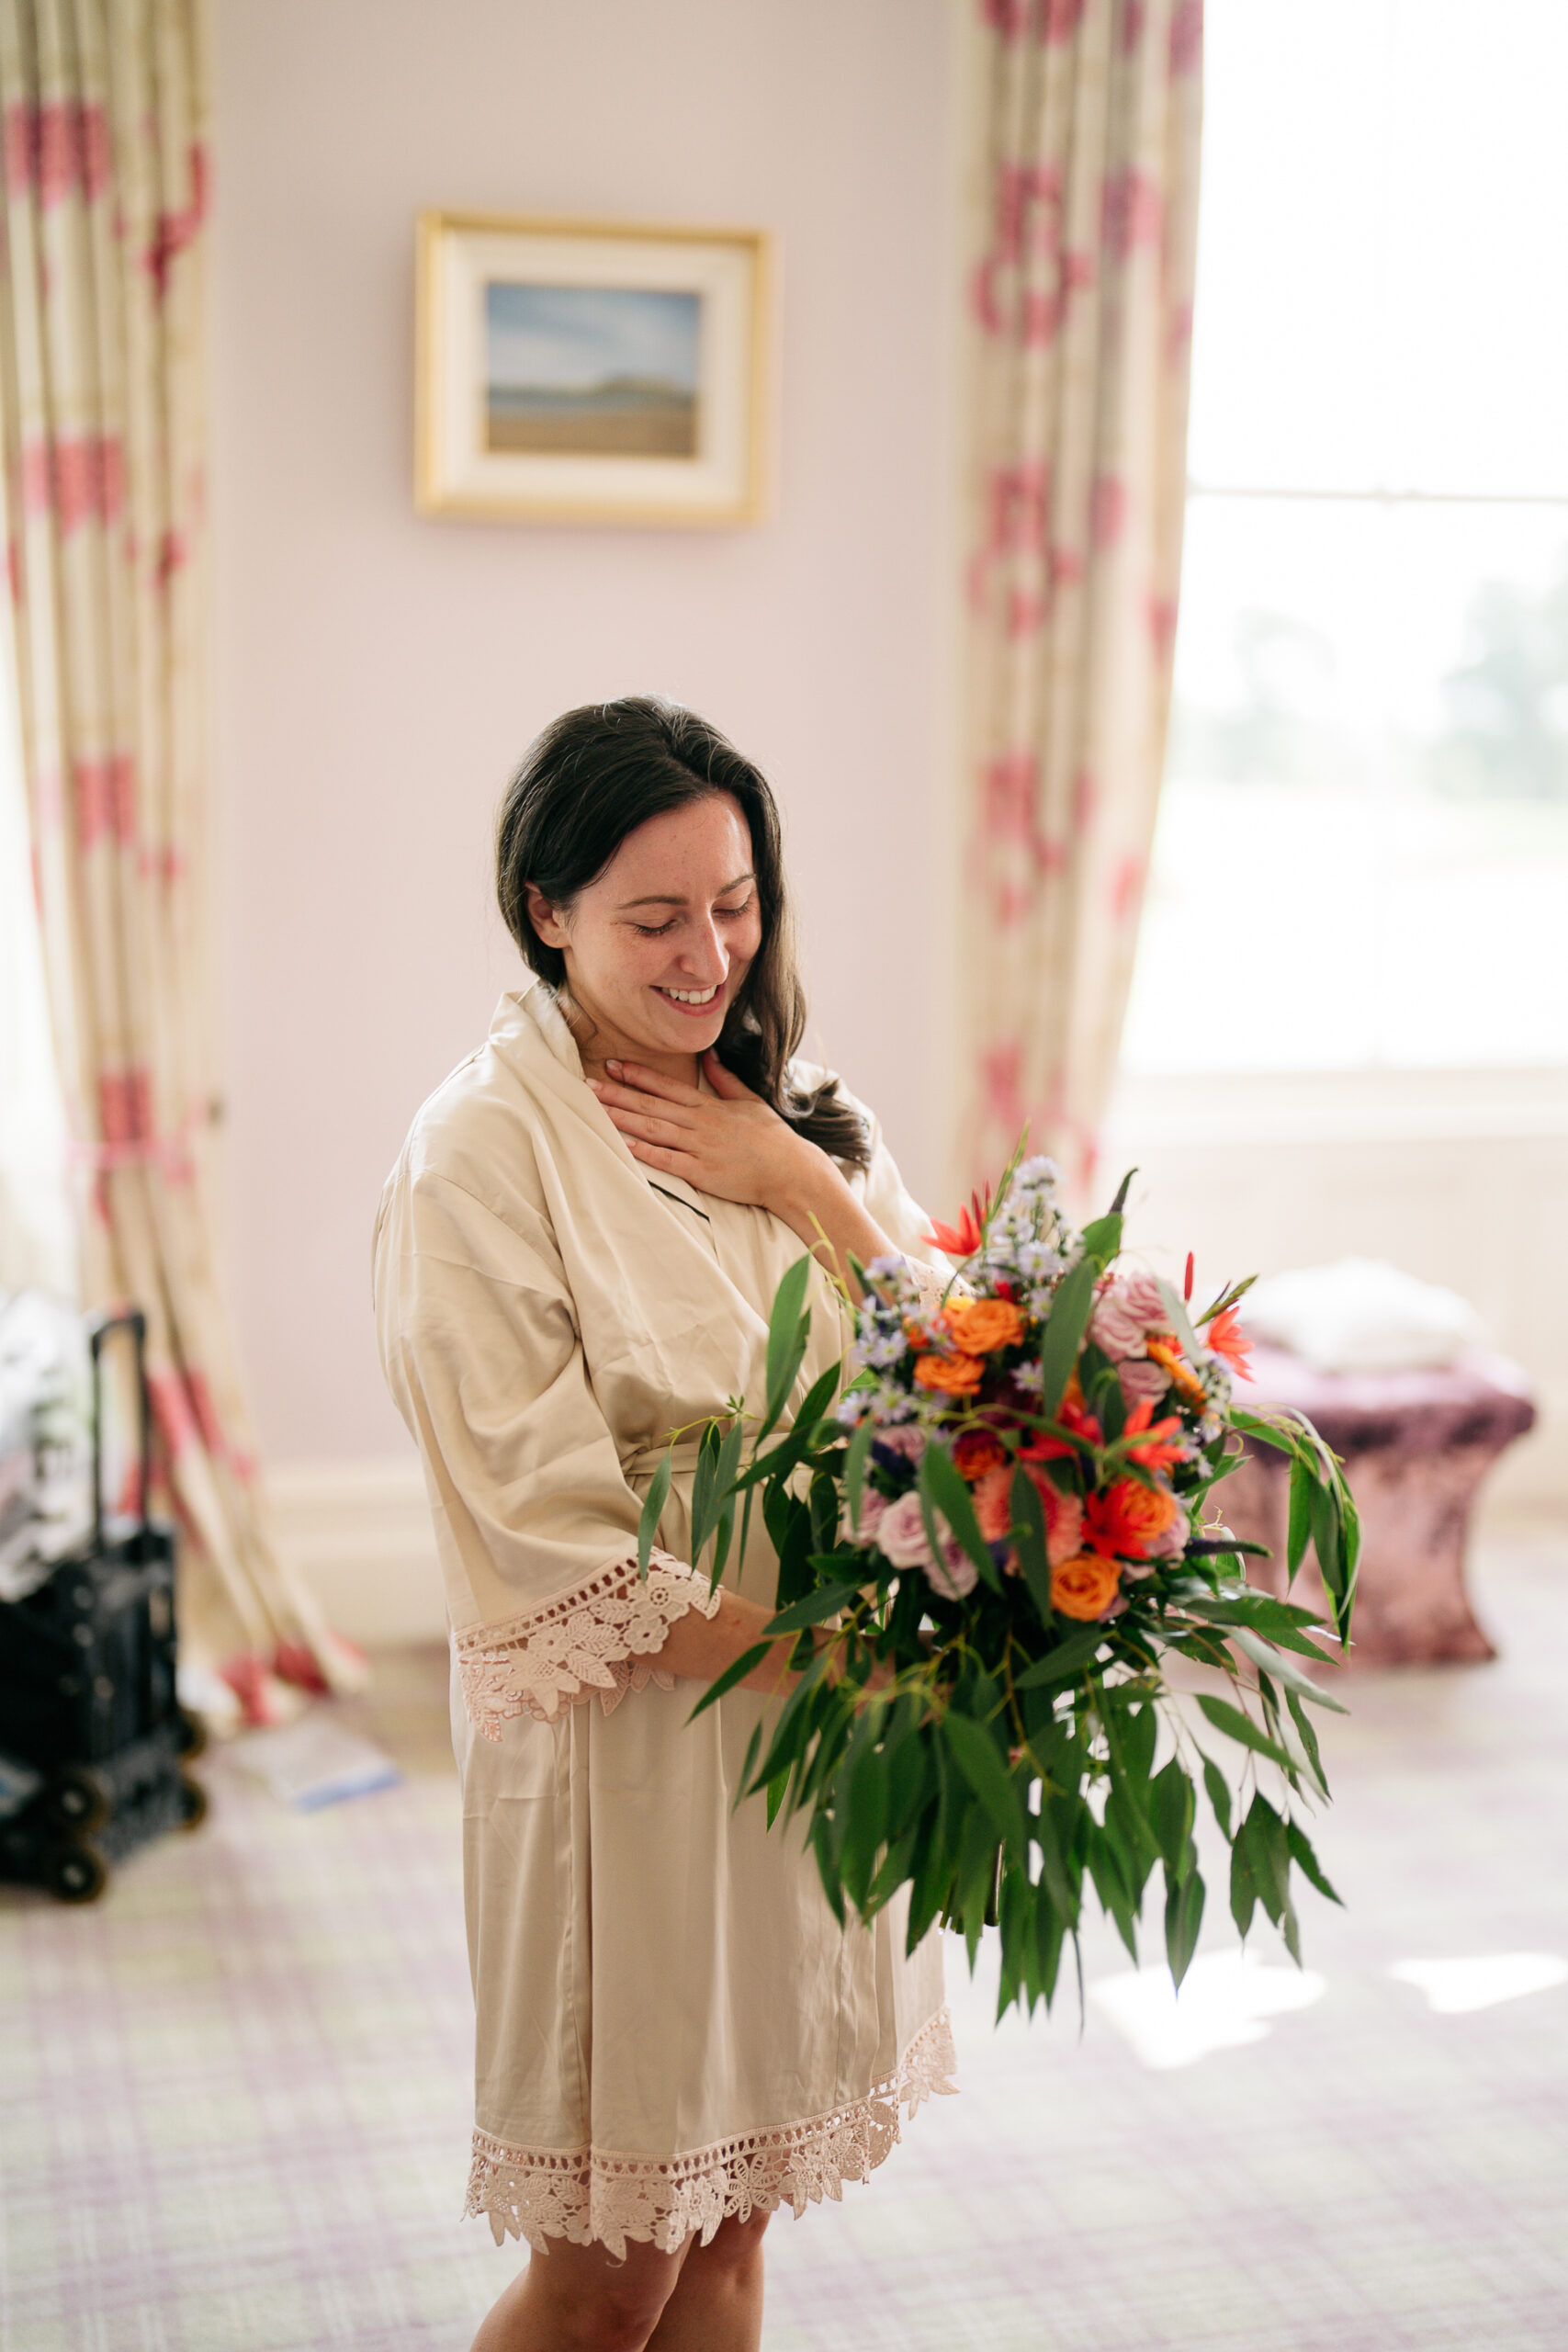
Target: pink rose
{"x": 901, "y": 1534}
{"x": 873, "y": 1509}
{"x": 954, "y": 1574}
{"x": 904, "y": 1437}
{"x": 1129, "y": 1307}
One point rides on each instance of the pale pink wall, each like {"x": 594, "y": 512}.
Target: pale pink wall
{"x": 378, "y": 673}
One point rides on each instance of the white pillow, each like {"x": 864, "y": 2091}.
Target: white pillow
{"x": 1361, "y": 1316}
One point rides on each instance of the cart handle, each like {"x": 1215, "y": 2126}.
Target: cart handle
{"x": 132, "y": 1319}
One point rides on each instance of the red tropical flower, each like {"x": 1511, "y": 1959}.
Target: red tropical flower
{"x": 1153, "y": 1448}
{"x": 962, "y": 1240}
{"x": 1226, "y": 1339}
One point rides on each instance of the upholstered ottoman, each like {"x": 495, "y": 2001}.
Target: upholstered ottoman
{"x": 1415, "y": 1447}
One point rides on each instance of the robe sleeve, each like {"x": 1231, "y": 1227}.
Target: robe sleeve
{"x": 534, "y": 1520}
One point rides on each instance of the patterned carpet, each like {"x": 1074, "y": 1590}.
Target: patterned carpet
{"x": 235, "y": 2111}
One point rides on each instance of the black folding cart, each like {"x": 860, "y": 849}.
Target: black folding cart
{"x": 94, "y": 1743}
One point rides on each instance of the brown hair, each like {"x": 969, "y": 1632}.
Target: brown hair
{"x": 593, "y": 777}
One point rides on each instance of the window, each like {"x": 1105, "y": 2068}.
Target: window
{"x": 1366, "y": 800}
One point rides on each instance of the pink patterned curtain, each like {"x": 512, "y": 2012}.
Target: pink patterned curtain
{"x": 1084, "y": 182}
{"x": 105, "y": 437}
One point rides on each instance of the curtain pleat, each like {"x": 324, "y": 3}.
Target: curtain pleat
{"x": 1083, "y": 153}
{"x": 102, "y": 408}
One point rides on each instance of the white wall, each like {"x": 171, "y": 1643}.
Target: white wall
{"x": 377, "y": 675}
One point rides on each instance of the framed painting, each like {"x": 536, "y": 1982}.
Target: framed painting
{"x": 573, "y": 371}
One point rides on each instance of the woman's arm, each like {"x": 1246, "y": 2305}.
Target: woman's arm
{"x": 701, "y": 1648}
{"x": 731, "y": 1144}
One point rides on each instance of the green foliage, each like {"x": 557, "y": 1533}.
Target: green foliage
{"x": 997, "y": 1759}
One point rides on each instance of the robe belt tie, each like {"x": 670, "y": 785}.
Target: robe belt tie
{"x": 641, "y": 1466}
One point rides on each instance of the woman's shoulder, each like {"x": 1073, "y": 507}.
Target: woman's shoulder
{"x": 479, "y": 1134}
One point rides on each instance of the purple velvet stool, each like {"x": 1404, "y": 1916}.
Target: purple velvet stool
{"x": 1416, "y": 1446}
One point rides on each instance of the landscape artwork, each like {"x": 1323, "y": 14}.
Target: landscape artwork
{"x": 590, "y": 371}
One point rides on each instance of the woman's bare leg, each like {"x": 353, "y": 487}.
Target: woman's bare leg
{"x": 718, "y": 2303}
{"x": 576, "y": 2298}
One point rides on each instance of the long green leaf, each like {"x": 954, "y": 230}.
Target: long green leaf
{"x": 1243, "y": 1886}
{"x": 1306, "y": 1862}
{"x": 855, "y": 1461}
{"x": 1029, "y": 1529}
{"x": 1283, "y": 1670}
{"x": 811, "y": 1610}
{"x": 981, "y": 1763}
{"x": 702, "y": 1488}
{"x": 1183, "y": 1921}
{"x": 1102, "y": 1239}
{"x": 1299, "y": 1525}
{"x": 736, "y": 1671}
{"x": 1219, "y": 1793}
{"x": 1064, "y": 1327}
{"x": 1060, "y": 1664}
{"x": 1181, "y": 1322}
{"x": 1238, "y": 1726}
{"x": 652, "y": 1513}
{"x": 787, "y": 1329}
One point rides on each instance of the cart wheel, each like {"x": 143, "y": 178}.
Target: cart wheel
{"x": 190, "y": 1733}
{"x": 76, "y": 1799}
{"x": 75, "y": 1873}
{"x": 193, "y": 1803}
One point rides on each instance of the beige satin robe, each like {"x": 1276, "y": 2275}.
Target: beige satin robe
{"x": 670, "y": 2025}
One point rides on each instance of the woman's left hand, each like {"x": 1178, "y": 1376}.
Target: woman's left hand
{"x": 729, "y": 1143}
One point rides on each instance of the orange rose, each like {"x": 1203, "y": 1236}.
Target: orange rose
{"x": 950, "y": 1375}
{"x": 1128, "y": 1520}
{"x": 1084, "y": 1587}
{"x": 981, "y": 1326}
{"x": 978, "y": 1451}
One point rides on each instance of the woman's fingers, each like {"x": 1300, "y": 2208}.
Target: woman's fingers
{"x": 650, "y": 1081}
{"x": 621, "y": 1100}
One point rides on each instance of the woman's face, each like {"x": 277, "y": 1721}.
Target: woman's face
{"x": 657, "y": 946}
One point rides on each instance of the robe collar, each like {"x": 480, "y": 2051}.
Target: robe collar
{"x": 530, "y": 1018}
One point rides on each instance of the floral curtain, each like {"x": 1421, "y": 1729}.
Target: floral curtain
{"x": 1083, "y": 151}
{"x": 102, "y": 411}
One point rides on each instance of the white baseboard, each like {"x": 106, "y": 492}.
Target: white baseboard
{"x": 359, "y": 1533}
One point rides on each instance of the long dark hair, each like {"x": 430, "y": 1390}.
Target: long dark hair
{"x": 593, "y": 777}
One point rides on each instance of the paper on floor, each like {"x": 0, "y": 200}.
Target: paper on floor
{"x": 314, "y": 1762}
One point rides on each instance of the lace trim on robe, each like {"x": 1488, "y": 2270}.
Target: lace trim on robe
{"x": 932, "y": 1285}
{"x": 596, "y": 1637}
{"x": 589, "y": 2197}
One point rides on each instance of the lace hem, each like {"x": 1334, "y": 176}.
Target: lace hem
{"x": 589, "y": 2197}
{"x": 596, "y": 1637}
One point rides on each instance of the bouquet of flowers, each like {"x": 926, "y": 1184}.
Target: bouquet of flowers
{"x": 990, "y": 1544}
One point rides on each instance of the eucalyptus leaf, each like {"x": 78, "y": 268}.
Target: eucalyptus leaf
{"x": 1272, "y": 1661}
{"x": 1029, "y": 1532}
{"x": 943, "y": 1488}
{"x": 1238, "y": 1726}
{"x": 787, "y": 1328}
{"x": 855, "y": 1461}
{"x": 1071, "y": 1308}
{"x": 824, "y": 1602}
{"x": 983, "y": 1766}
{"x": 652, "y": 1513}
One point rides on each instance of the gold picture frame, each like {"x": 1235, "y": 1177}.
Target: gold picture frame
{"x": 590, "y": 371}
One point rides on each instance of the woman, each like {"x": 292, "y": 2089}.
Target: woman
{"x": 576, "y": 1255}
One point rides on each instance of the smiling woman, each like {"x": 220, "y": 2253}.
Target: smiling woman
{"x": 576, "y": 1258}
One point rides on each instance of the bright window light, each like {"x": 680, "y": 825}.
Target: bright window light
{"x": 1366, "y": 798}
